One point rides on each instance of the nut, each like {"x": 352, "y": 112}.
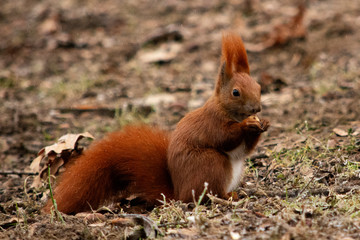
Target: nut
{"x": 254, "y": 117}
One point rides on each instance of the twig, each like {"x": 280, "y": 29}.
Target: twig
{"x": 296, "y": 192}
{"x": 57, "y": 212}
{"x": 184, "y": 224}
{"x": 150, "y": 228}
{"x": 221, "y": 201}
{"x": 17, "y": 173}
{"x": 308, "y": 183}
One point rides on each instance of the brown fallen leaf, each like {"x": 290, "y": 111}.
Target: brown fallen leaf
{"x": 356, "y": 133}
{"x": 4, "y": 146}
{"x": 55, "y": 156}
{"x": 332, "y": 143}
{"x": 235, "y": 235}
{"x": 67, "y": 142}
{"x": 164, "y": 54}
{"x": 50, "y": 25}
{"x": 183, "y": 233}
{"x": 340, "y": 132}
{"x": 122, "y": 222}
{"x": 169, "y": 33}
{"x": 12, "y": 222}
{"x": 260, "y": 215}
{"x": 92, "y": 218}
{"x": 221, "y": 201}
{"x": 283, "y": 33}
{"x": 148, "y": 227}
{"x": 99, "y": 224}
{"x": 35, "y": 164}
{"x": 270, "y": 83}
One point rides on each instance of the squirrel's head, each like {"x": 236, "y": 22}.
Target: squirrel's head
{"x": 236, "y": 92}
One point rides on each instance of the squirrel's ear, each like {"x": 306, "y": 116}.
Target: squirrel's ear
{"x": 234, "y": 54}
{"x": 224, "y": 77}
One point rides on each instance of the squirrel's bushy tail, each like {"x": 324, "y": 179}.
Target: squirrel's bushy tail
{"x": 129, "y": 161}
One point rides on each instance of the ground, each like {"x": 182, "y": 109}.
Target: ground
{"x": 73, "y": 66}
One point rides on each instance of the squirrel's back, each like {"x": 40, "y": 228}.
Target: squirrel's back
{"x": 127, "y": 162}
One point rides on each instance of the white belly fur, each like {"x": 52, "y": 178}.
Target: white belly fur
{"x": 237, "y": 160}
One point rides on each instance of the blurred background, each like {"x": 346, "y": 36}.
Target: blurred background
{"x": 68, "y": 66}
{"x": 73, "y": 65}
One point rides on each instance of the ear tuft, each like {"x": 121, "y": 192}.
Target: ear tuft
{"x": 234, "y": 54}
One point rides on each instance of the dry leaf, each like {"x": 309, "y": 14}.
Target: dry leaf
{"x": 169, "y": 33}
{"x": 67, "y": 142}
{"x": 148, "y": 226}
{"x": 35, "y": 165}
{"x": 183, "y": 233}
{"x": 122, "y": 222}
{"x": 92, "y": 218}
{"x": 332, "y": 143}
{"x": 56, "y": 156}
{"x": 357, "y": 132}
{"x": 283, "y": 33}
{"x": 165, "y": 53}
{"x": 101, "y": 224}
{"x": 278, "y": 147}
{"x": 12, "y": 222}
{"x": 286, "y": 236}
{"x": 4, "y": 146}
{"x": 270, "y": 83}
{"x": 221, "y": 201}
{"x": 235, "y": 235}
{"x": 340, "y": 132}
{"x": 50, "y": 25}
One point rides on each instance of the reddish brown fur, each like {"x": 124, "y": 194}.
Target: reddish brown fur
{"x": 140, "y": 160}
{"x": 132, "y": 161}
{"x": 234, "y": 54}
{"x": 198, "y": 146}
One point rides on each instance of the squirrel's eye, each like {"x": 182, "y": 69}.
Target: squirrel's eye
{"x": 236, "y": 93}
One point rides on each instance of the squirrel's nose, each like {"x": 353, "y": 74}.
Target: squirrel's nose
{"x": 256, "y": 109}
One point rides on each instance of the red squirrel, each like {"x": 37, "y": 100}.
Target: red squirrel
{"x": 208, "y": 145}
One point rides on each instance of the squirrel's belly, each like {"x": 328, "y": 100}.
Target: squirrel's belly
{"x": 237, "y": 160}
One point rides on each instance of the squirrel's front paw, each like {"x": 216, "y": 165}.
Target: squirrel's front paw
{"x": 265, "y": 124}
{"x": 254, "y": 124}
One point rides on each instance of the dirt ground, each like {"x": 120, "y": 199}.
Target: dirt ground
{"x": 73, "y": 66}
